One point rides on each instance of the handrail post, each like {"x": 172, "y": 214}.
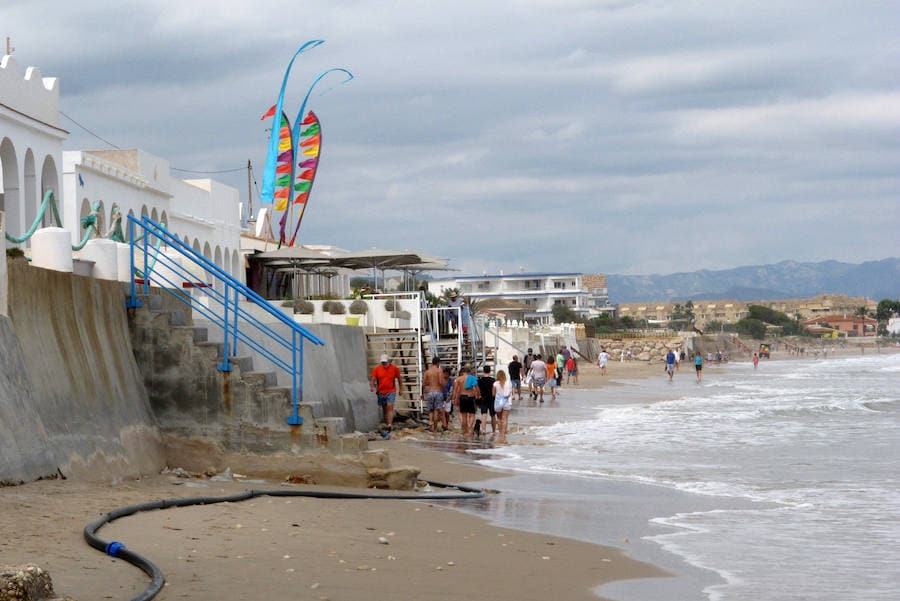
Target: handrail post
{"x": 145, "y": 272}
{"x": 225, "y": 365}
{"x": 234, "y": 345}
{"x": 132, "y": 302}
{"x": 294, "y": 419}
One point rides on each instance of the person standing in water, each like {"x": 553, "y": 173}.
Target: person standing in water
{"x": 502, "y": 403}
{"x": 698, "y": 365}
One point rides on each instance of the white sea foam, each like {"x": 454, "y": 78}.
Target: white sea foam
{"x": 817, "y": 442}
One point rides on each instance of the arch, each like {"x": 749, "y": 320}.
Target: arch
{"x": 236, "y": 266}
{"x": 207, "y": 251}
{"x": 29, "y": 191}
{"x": 217, "y": 260}
{"x": 196, "y": 245}
{"x": 100, "y": 228}
{"x": 9, "y": 198}
{"x": 50, "y": 181}
{"x": 164, "y": 219}
{"x": 144, "y": 211}
{"x": 154, "y": 215}
{"x": 112, "y": 215}
{"x": 125, "y": 227}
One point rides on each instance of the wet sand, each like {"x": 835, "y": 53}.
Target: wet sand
{"x": 306, "y": 548}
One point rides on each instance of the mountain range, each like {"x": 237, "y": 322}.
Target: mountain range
{"x": 787, "y": 279}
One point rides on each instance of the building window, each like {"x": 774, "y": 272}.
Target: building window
{"x": 559, "y": 285}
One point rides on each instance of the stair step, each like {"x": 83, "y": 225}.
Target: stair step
{"x": 199, "y": 334}
{"x": 266, "y": 379}
{"x": 213, "y": 350}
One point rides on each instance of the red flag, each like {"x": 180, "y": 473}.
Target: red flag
{"x": 308, "y": 174}
{"x": 310, "y": 118}
{"x": 301, "y": 198}
{"x": 269, "y": 113}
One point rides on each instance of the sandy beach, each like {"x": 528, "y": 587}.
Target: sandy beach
{"x": 317, "y": 549}
{"x": 298, "y": 547}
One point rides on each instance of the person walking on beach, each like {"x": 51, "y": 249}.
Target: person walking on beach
{"x": 465, "y": 397}
{"x": 755, "y": 360}
{"x": 539, "y": 376}
{"x": 670, "y": 364}
{"x": 698, "y": 366}
{"x": 515, "y": 376}
{"x": 551, "y": 375}
{"x": 448, "y": 402}
{"x": 602, "y": 360}
{"x": 571, "y": 369}
{"x": 433, "y": 385}
{"x": 486, "y": 404}
{"x": 560, "y": 367}
{"x": 502, "y": 403}
{"x": 384, "y": 375}
{"x": 526, "y": 362}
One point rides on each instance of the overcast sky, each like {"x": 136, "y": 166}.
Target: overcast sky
{"x": 608, "y": 136}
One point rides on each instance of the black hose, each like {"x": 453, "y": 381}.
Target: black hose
{"x": 157, "y": 580}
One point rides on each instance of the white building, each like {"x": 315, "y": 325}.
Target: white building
{"x": 203, "y": 213}
{"x": 539, "y": 292}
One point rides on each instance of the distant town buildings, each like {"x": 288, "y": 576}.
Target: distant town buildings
{"x": 537, "y": 293}
{"x": 731, "y": 311}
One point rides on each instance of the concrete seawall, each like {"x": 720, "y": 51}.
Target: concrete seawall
{"x": 77, "y": 372}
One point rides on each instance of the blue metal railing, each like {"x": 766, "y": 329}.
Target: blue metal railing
{"x": 223, "y": 310}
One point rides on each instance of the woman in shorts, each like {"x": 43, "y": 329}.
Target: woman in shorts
{"x": 465, "y": 396}
{"x": 502, "y": 402}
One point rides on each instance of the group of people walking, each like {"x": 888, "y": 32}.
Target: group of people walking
{"x": 470, "y": 393}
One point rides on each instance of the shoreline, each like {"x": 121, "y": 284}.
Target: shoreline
{"x": 282, "y": 546}
{"x": 200, "y": 549}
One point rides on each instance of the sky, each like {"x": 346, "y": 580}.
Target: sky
{"x": 604, "y": 136}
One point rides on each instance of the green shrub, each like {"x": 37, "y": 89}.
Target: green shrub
{"x": 304, "y": 307}
{"x": 359, "y": 307}
{"x": 336, "y": 308}
{"x": 391, "y": 305}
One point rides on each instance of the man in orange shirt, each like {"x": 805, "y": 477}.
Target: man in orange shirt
{"x": 382, "y": 384}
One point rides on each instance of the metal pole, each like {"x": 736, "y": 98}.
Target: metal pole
{"x": 133, "y": 302}
{"x": 146, "y": 275}
{"x": 226, "y": 364}
{"x": 234, "y": 346}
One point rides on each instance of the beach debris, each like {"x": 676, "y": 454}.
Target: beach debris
{"x": 224, "y": 476}
{"x": 451, "y": 564}
{"x": 439, "y": 568}
{"x": 25, "y": 582}
{"x": 383, "y": 540}
{"x": 545, "y": 557}
{"x": 286, "y": 557}
{"x": 289, "y": 570}
{"x": 300, "y": 479}
{"x": 238, "y": 525}
{"x": 314, "y": 585}
{"x": 362, "y": 568}
{"x": 391, "y": 558}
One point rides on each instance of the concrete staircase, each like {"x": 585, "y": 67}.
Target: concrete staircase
{"x": 404, "y": 349}
{"x": 241, "y": 410}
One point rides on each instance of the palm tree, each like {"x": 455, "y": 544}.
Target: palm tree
{"x": 862, "y": 313}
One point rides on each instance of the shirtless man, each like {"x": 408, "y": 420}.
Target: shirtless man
{"x": 433, "y": 385}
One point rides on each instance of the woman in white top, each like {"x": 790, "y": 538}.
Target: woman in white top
{"x": 502, "y": 402}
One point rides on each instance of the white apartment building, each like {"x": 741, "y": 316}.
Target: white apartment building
{"x": 204, "y": 213}
{"x": 587, "y": 295}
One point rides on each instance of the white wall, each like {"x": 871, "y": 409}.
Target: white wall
{"x": 30, "y": 142}
{"x": 200, "y": 212}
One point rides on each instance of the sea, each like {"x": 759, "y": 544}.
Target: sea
{"x": 780, "y": 483}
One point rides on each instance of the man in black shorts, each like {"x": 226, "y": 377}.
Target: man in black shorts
{"x": 515, "y": 377}
{"x": 486, "y": 404}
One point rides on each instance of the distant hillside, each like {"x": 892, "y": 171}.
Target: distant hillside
{"x": 788, "y": 279}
